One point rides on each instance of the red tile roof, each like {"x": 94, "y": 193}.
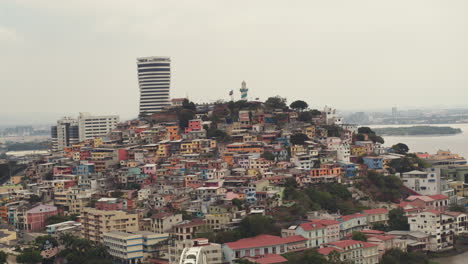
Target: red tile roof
{"x": 268, "y": 259}
{"x": 371, "y": 231}
{"x": 381, "y": 237}
{"x": 325, "y": 222}
{"x": 376, "y": 211}
{"x": 438, "y": 197}
{"x": 352, "y": 216}
{"x": 368, "y": 245}
{"x": 344, "y": 243}
{"x": 263, "y": 241}
{"x": 327, "y": 250}
{"x": 311, "y": 226}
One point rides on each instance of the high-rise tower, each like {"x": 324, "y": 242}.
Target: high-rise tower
{"x": 154, "y": 80}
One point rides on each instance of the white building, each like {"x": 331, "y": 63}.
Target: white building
{"x": 65, "y": 133}
{"x": 303, "y": 161}
{"x": 154, "y": 79}
{"x": 428, "y": 182}
{"x": 331, "y": 118}
{"x": 199, "y": 251}
{"x": 96, "y": 126}
{"x": 440, "y": 227}
{"x": 130, "y": 248}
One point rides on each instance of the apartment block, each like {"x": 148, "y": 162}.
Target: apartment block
{"x": 97, "y": 222}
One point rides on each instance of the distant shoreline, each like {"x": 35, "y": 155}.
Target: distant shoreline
{"x": 418, "y": 131}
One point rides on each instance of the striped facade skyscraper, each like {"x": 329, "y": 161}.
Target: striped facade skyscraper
{"x": 154, "y": 80}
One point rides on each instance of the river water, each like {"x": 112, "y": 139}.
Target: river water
{"x": 457, "y": 143}
{"x": 458, "y": 259}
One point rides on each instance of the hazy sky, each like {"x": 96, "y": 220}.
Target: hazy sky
{"x": 65, "y": 56}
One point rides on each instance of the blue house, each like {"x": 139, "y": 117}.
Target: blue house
{"x": 83, "y": 169}
{"x": 373, "y": 163}
{"x": 349, "y": 169}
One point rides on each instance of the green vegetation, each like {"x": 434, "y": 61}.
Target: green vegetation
{"x": 359, "y": 236}
{"x": 396, "y": 256}
{"x": 417, "y": 130}
{"x": 333, "y": 130}
{"x": 306, "y": 116}
{"x": 276, "y": 102}
{"x": 268, "y": 155}
{"x": 408, "y": 163}
{"x": 250, "y": 226}
{"x": 3, "y": 257}
{"x": 218, "y": 134}
{"x": 29, "y": 256}
{"x": 333, "y": 197}
{"x": 382, "y": 188}
{"x": 457, "y": 208}
{"x": 397, "y": 220}
{"x": 34, "y": 199}
{"x": 184, "y": 116}
{"x": 298, "y": 139}
{"x": 311, "y": 256}
{"x": 370, "y": 133}
{"x": 400, "y": 148}
{"x": 79, "y": 251}
{"x": 55, "y": 219}
{"x": 299, "y": 105}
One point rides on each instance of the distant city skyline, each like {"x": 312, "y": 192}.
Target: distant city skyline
{"x": 360, "y": 55}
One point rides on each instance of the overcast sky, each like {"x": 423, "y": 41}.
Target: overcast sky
{"x": 65, "y": 56}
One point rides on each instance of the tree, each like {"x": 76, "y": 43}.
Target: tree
{"x": 254, "y": 225}
{"x": 133, "y": 186}
{"x": 238, "y": 203}
{"x": 457, "y": 208}
{"x": 371, "y": 134}
{"x": 268, "y": 155}
{"x": 3, "y": 257}
{"x": 397, "y": 220}
{"x": 186, "y": 104}
{"x": 29, "y": 256}
{"x": 218, "y": 134}
{"x": 298, "y": 139}
{"x": 408, "y": 163}
{"x": 400, "y": 148}
{"x": 299, "y": 105}
{"x": 397, "y": 256}
{"x": 276, "y": 102}
{"x": 80, "y": 250}
{"x": 184, "y": 116}
{"x": 359, "y": 236}
{"x": 310, "y": 256}
{"x": 365, "y": 130}
{"x": 34, "y": 199}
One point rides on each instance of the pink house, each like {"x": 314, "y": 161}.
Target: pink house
{"x": 332, "y": 227}
{"x": 62, "y": 170}
{"x": 37, "y": 216}
{"x": 194, "y": 125}
{"x": 149, "y": 169}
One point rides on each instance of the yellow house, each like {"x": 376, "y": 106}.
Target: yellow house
{"x": 97, "y": 142}
{"x": 186, "y": 148}
{"x": 309, "y": 131}
{"x": 297, "y": 149}
{"x": 162, "y": 151}
{"x": 358, "y": 150}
